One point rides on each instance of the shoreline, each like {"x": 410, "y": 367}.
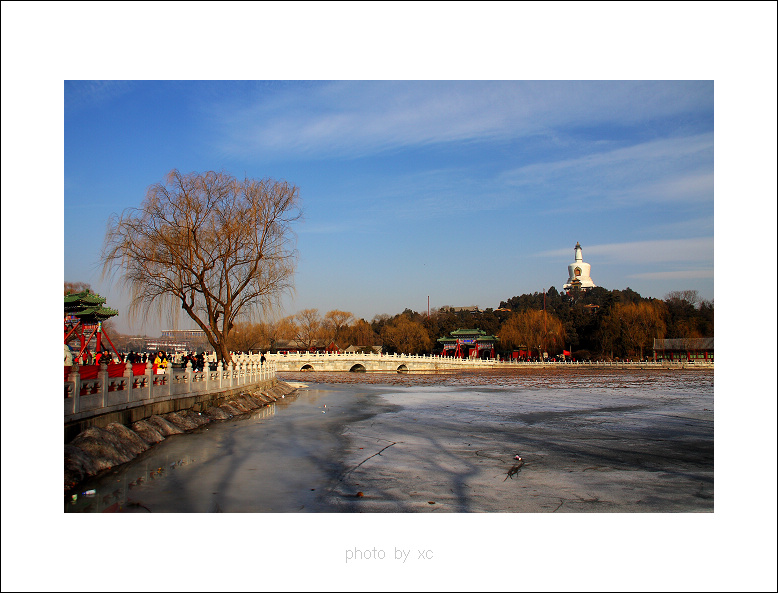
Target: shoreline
{"x": 96, "y": 450}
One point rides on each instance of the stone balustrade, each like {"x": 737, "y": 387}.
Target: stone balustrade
{"x": 372, "y": 362}
{"x": 104, "y": 394}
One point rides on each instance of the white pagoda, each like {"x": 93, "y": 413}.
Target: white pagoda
{"x": 578, "y": 272}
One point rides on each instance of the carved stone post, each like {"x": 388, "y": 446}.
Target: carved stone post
{"x": 149, "y": 381}
{"x": 168, "y": 389}
{"x": 102, "y": 375}
{"x": 129, "y": 379}
{"x": 75, "y": 377}
{"x": 189, "y": 375}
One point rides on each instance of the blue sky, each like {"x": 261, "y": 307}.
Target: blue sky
{"x": 469, "y": 192}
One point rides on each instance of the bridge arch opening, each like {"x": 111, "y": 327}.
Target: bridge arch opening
{"x": 357, "y": 368}
{"x": 307, "y": 368}
{"x": 402, "y": 369}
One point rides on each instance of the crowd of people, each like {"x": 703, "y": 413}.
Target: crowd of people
{"x": 159, "y": 360}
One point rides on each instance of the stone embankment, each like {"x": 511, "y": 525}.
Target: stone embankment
{"x": 97, "y": 449}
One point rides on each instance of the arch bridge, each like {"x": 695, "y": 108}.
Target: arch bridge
{"x": 373, "y": 363}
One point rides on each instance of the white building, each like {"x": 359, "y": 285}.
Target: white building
{"x": 579, "y": 272}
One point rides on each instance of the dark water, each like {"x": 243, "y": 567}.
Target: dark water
{"x": 622, "y": 442}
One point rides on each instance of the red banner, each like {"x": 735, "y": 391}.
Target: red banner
{"x": 89, "y": 371}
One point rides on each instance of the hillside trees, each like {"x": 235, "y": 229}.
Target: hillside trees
{"x": 613, "y": 323}
{"x": 404, "y": 335}
{"x": 75, "y": 287}
{"x": 688, "y": 316}
{"x": 360, "y": 333}
{"x": 216, "y": 247}
{"x": 309, "y": 328}
{"x": 536, "y": 330}
{"x": 248, "y": 336}
{"x": 336, "y": 323}
{"x": 633, "y": 326}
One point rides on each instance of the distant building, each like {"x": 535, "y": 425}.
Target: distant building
{"x": 470, "y": 309}
{"x": 166, "y": 346}
{"x": 472, "y": 343}
{"x": 579, "y": 272}
{"x": 688, "y": 349}
{"x": 178, "y": 340}
{"x": 184, "y": 334}
{"x": 353, "y": 349}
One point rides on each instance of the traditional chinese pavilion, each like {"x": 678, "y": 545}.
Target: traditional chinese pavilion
{"x": 468, "y": 342}
{"x": 84, "y": 316}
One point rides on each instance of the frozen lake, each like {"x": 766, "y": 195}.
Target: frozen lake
{"x": 590, "y": 441}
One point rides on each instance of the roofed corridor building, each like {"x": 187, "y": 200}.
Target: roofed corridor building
{"x": 468, "y": 343}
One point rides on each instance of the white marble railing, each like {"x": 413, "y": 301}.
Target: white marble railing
{"x": 601, "y": 363}
{"x": 375, "y": 357}
{"x": 324, "y": 356}
{"x": 104, "y": 392}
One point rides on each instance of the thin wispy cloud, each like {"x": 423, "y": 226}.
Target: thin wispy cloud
{"x": 351, "y": 119}
{"x": 674, "y": 275}
{"x": 641, "y": 252}
{"x": 675, "y": 170}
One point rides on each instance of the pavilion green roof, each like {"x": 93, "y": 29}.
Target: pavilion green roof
{"x": 471, "y": 334}
{"x": 88, "y": 307}
{"x": 468, "y": 332}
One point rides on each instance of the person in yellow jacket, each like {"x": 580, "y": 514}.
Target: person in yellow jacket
{"x": 160, "y": 361}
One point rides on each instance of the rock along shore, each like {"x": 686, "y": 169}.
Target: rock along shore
{"x": 97, "y": 449}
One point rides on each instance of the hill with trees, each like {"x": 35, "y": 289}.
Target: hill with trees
{"x": 592, "y": 324}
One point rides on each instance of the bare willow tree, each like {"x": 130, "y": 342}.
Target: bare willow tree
{"x": 217, "y": 247}
{"x": 308, "y": 324}
{"x": 406, "y": 336}
{"x": 360, "y": 333}
{"x": 636, "y": 324}
{"x": 336, "y": 323}
{"x": 72, "y": 287}
{"x": 246, "y": 336}
{"x": 533, "y": 329}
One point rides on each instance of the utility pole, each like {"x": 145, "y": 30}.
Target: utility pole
{"x": 545, "y": 323}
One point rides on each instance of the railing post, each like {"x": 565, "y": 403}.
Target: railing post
{"x": 75, "y": 377}
{"x": 220, "y": 372}
{"x": 102, "y": 374}
{"x": 169, "y": 379}
{"x": 206, "y": 375}
{"x": 229, "y": 373}
{"x": 149, "y": 380}
{"x": 189, "y": 375}
{"x": 129, "y": 378}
